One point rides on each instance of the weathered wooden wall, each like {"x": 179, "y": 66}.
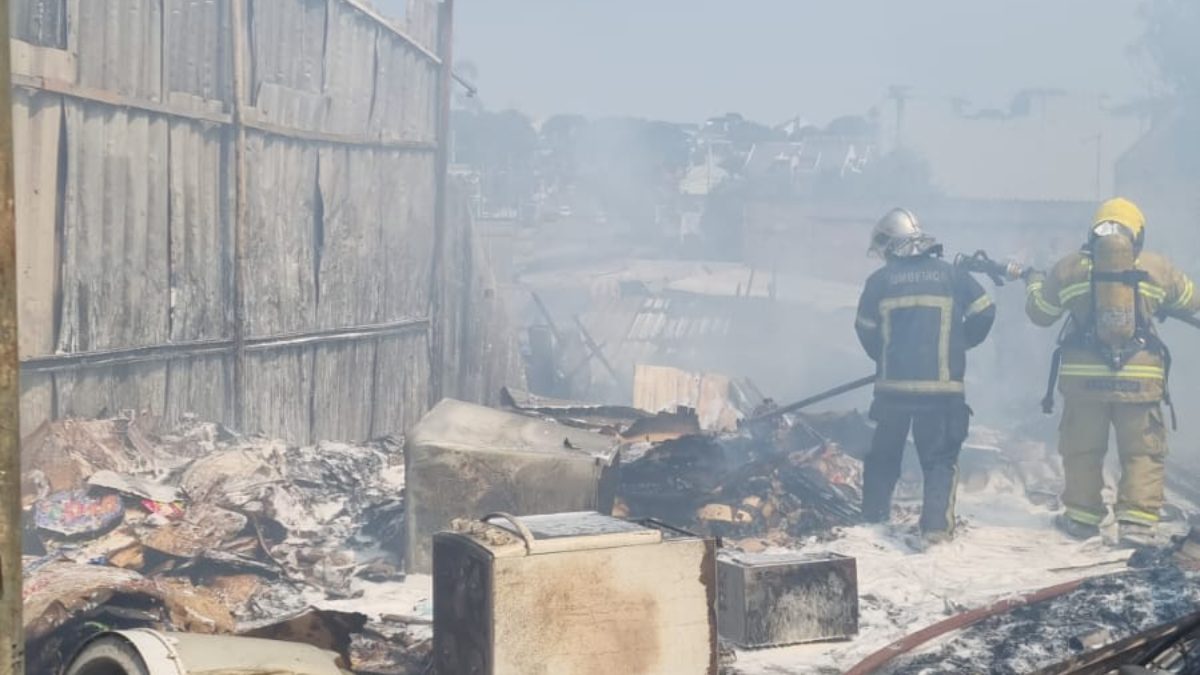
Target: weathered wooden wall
{"x": 127, "y": 136}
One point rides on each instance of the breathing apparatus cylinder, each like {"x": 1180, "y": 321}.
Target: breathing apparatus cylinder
{"x": 1115, "y": 290}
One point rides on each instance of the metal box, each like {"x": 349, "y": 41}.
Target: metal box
{"x": 464, "y": 461}
{"x": 767, "y": 600}
{"x": 573, "y": 593}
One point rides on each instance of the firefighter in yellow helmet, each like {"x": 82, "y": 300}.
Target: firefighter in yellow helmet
{"x": 1111, "y": 368}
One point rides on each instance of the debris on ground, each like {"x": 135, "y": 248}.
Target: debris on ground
{"x": 201, "y": 530}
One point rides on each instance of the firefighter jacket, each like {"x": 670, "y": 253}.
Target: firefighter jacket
{"x": 1067, "y": 291}
{"x": 917, "y": 318}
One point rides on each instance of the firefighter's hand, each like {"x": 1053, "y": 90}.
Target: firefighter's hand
{"x": 1031, "y": 276}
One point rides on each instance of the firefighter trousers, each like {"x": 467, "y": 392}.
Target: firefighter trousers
{"x": 1141, "y": 445}
{"x": 938, "y": 432}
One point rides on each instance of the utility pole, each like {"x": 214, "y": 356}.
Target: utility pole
{"x": 12, "y": 639}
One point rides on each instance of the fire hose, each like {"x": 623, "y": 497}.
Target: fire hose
{"x": 906, "y": 644}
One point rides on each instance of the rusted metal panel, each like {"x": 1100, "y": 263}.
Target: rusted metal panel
{"x": 114, "y": 271}
{"x": 288, "y": 38}
{"x": 37, "y": 125}
{"x": 343, "y": 386}
{"x": 39, "y": 22}
{"x": 198, "y": 48}
{"x": 200, "y": 386}
{"x": 278, "y": 393}
{"x": 350, "y": 255}
{"x": 280, "y": 282}
{"x": 350, "y": 38}
{"x": 100, "y": 391}
{"x": 200, "y": 235}
{"x": 401, "y": 383}
{"x": 120, "y": 46}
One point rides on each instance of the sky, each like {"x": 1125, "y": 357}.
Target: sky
{"x": 771, "y": 60}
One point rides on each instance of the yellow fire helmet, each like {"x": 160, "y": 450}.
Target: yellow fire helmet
{"x": 1123, "y": 212}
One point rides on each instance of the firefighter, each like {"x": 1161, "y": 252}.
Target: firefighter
{"x": 1112, "y": 369}
{"x": 917, "y": 317}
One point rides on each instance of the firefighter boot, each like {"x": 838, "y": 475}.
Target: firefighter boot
{"x": 1075, "y": 529}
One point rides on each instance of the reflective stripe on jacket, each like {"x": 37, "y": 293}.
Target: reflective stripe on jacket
{"x": 1067, "y": 291}
{"x": 917, "y": 317}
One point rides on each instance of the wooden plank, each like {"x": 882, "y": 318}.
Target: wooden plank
{"x": 36, "y": 61}
{"x": 396, "y": 31}
{"x": 37, "y": 125}
{"x": 94, "y": 95}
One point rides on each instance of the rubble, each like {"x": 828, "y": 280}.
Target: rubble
{"x": 203, "y": 531}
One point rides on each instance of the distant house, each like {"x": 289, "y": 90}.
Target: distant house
{"x": 797, "y": 161}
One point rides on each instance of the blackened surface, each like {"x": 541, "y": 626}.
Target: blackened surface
{"x": 462, "y": 600}
{"x": 804, "y": 600}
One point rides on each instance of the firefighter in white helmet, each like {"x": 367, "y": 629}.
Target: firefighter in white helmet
{"x": 917, "y": 317}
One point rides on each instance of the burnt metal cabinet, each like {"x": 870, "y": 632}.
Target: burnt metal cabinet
{"x": 463, "y": 461}
{"x": 767, "y": 600}
{"x": 574, "y": 593}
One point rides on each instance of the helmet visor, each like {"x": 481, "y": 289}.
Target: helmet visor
{"x": 1110, "y": 227}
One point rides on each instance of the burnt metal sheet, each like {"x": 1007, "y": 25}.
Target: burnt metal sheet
{"x": 37, "y": 401}
{"x": 278, "y": 393}
{"x": 288, "y": 38}
{"x": 350, "y": 44}
{"x": 343, "y": 386}
{"x": 104, "y": 391}
{"x": 201, "y": 238}
{"x": 401, "y": 383}
{"x": 406, "y": 197}
{"x": 37, "y": 125}
{"x": 280, "y": 258}
{"x": 199, "y": 48}
{"x": 405, "y": 104}
{"x": 114, "y": 257}
{"x": 421, "y": 22}
{"x": 350, "y": 254}
{"x": 119, "y": 46}
{"x": 39, "y": 22}
{"x": 201, "y": 386}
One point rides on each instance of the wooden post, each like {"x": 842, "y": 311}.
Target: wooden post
{"x": 12, "y": 639}
{"x": 438, "y": 282}
{"x": 241, "y": 213}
